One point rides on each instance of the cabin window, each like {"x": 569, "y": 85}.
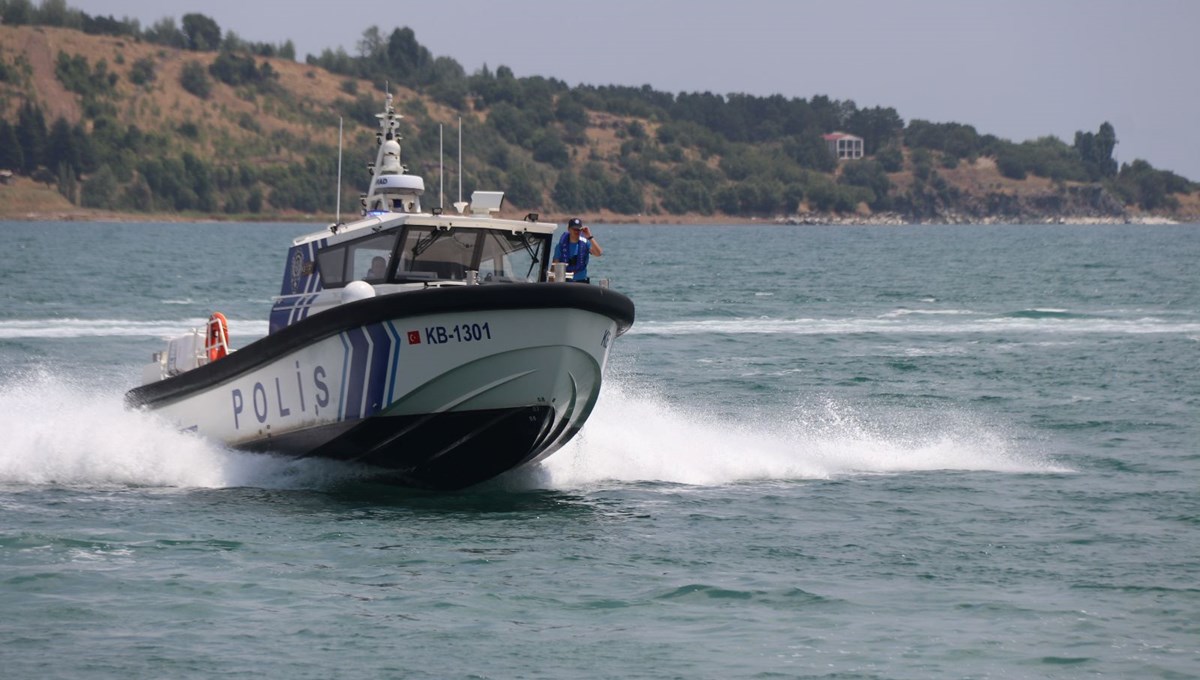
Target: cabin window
{"x": 332, "y": 263}
{"x": 447, "y": 254}
{"x": 511, "y": 257}
{"x": 367, "y": 259}
{"x": 428, "y": 253}
{"x": 372, "y": 258}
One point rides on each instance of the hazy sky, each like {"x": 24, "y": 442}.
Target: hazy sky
{"x": 1019, "y": 69}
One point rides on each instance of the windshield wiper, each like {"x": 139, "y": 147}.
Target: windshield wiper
{"x": 534, "y": 259}
{"x": 423, "y": 244}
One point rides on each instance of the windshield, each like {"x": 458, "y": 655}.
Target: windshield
{"x": 426, "y": 253}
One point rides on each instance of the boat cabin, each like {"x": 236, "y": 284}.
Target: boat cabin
{"x": 396, "y": 252}
{"x": 418, "y": 253}
{"x": 396, "y": 246}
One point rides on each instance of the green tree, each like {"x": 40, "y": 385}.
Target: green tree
{"x": 871, "y": 176}
{"x": 522, "y": 190}
{"x": 877, "y": 126}
{"x": 17, "y": 12}
{"x": 31, "y": 132}
{"x": 891, "y": 158}
{"x": 568, "y": 109}
{"x": 201, "y": 33}
{"x": 727, "y": 201}
{"x": 922, "y": 161}
{"x": 60, "y": 147}
{"x": 566, "y": 192}
{"x": 1011, "y": 166}
{"x": 254, "y": 202}
{"x": 406, "y": 57}
{"x": 1096, "y": 150}
{"x": 371, "y": 47}
{"x": 67, "y": 182}
{"x": 595, "y": 187}
{"x": 11, "y": 156}
{"x": 512, "y": 124}
{"x": 549, "y": 148}
{"x": 85, "y": 150}
{"x": 56, "y": 13}
{"x": 810, "y": 151}
{"x": 240, "y": 69}
{"x": 166, "y": 32}
{"x": 199, "y": 177}
{"x": 100, "y": 191}
{"x": 142, "y": 71}
{"x": 626, "y": 197}
{"x": 137, "y": 195}
{"x": 1139, "y": 182}
{"x": 688, "y": 196}
{"x": 822, "y": 194}
{"x": 195, "y": 80}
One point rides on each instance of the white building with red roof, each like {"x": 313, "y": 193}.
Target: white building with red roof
{"x": 844, "y": 146}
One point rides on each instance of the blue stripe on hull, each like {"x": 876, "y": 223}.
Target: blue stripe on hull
{"x": 360, "y": 350}
{"x": 377, "y": 375}
{"x": 370, "y": 368}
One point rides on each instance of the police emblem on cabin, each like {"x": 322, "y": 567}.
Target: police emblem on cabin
{"x": 297, "y": 269}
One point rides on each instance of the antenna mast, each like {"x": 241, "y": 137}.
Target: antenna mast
{"x": 460, "y": 205}
{"x": 338, "y": 219}
{"x": 441, "y": 171}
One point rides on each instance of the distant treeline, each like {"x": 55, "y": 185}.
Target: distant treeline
{"x": 736, "y": 154}
{"x": 770, "y": 147}
{"x": 195, "y": 32}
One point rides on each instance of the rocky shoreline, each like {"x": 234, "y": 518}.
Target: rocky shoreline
{"x": 876, "y": 220}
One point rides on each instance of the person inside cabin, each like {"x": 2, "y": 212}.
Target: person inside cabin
{"x": 575, "y": 247}
{"x": 378, "y": 269}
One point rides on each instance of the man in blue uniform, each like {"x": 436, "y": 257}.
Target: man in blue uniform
{"x": 575, "y": 247}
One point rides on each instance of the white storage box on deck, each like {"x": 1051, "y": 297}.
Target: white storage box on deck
{"x": 185, "y": 353}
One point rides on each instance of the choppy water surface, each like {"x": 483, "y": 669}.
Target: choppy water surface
{"x": 821, "y": 452}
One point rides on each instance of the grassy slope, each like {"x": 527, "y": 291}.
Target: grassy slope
{"x": 268, "y": 129}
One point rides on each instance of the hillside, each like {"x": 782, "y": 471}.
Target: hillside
{"x": 110, "y": 123}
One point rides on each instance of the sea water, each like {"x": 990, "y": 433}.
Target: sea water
{"x": 835, "y": 452}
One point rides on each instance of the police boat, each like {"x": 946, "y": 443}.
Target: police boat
{"x": 434, "y": 346}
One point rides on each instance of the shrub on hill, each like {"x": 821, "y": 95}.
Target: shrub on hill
{"x": 193, "y": 79}
{"x": 142, "y": 71}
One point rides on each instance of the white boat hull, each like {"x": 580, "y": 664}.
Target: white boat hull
{"x": 444, "y": 400}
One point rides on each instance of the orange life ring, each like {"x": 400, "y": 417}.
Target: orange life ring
{"x": 218, "y": 337}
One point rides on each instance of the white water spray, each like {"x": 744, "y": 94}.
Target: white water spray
{"x": 641, "y": 437}
{"x": 60, "y": 434}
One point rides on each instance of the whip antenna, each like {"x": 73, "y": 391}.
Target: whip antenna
{"x": 441, "y": 171}
{"x": 460, "y": 205}
{"x": 338, "y": 219}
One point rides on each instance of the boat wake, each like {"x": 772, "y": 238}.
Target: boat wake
{"x": 16, "y": 329}
{"x": 932, "y": 322}
{"x": 640, "y": 437}
{"x": 65, "y": 435}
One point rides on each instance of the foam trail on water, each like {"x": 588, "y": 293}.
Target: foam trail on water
{"x": 923, "y": 323}
{"x": 16, "y": 329}
{"x": 59, "y": 434}
{"x": 640, "y": 437}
